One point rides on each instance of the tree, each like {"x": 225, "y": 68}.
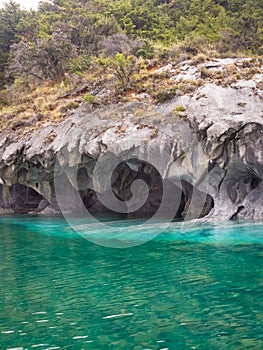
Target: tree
{"x": 248, "y": 26}
{"x": 88, "y": 20}
{"x": 204, "y": 19}
{"x": 142, "y": 18}
{"x": 10, "y": 17}
{"x": 45, "y": 59}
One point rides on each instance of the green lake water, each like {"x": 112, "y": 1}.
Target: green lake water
{"x": 200, "y": 288}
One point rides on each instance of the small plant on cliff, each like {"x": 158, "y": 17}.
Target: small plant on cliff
{"x": 201, "y": 58}
{"x": 72, "y": 105}
{"x": 180, "y": 108}
{"x": 166, "y": 95}
{"x": 179, "y": 111}
{"x": 89, "y": 99}
{"x": 122, "y": 66}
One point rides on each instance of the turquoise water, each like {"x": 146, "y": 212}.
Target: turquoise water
{"x": 196, "y": 288}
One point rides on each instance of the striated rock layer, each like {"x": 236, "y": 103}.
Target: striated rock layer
{"x": 200, "y": 156}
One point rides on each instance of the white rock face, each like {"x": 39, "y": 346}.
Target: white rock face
{"x": 210, "y": 156}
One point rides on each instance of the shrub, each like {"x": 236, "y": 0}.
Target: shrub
{"x": 146, "y": 50}
{"x": 118, "y": 43}
{"x": 179, "y": 111}
{"x": 90, "y": 99}
{"x": 201, "y": 58}
{"x": 180, "y": 108}
{"x": 206, "y": 73}
{"x": 193, "y": 44}
{"x": 72, "y": 105}
{"x": 3, "y": 98}
{"x": 79, "y": 64}
{"x": 166, "y": 95}
{"x": 122, "y": 67}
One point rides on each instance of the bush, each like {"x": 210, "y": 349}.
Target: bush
{"x": 206, "y": 73}
{"x": 193, "y": 44}
{"x": 146, "y": 50}
{"x": 201, "y": 58}
{"x": 179, "y": 108}
{"x": 3, "y": 98}
{"x": 122, "y": 67}
{"x": 166, "y": 95}
{"x": 79, "y": 64}
{"x": 118, "y": 43}
{"x": 179, "y": 111}
{"x": 72, "y": 105}
{"x": 89, "y": 99}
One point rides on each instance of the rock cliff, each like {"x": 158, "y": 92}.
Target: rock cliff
{"x": 200, "y": 154}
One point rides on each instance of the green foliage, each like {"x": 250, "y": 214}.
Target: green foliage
{"x": 146, "y": 50}
{"x": 179, "y": 108}
{"x": 72, "y": 105}
{"x": 88, "y": 20}
{"x": 193, "y": 43}
{"x": 166, "y": 94}
{"x": 122, "y": 67}
{"x": 79, "y": 64}
{"x": 63, "y": 36}
{"x": 10, "y": 17}
{"x": 142, "y": 18}
{"x": 3, "y": 98}
{"x": 89, "y": 99}
{"x": 248, "y": 26}
{"x": 179, "y": 111}
{"x": 204, "y": 19}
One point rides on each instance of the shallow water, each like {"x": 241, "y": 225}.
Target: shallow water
{"x": 199, "y": 287}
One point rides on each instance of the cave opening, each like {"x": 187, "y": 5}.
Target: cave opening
{"x": 124, "y": 176}
{"x": 21, "y": 199}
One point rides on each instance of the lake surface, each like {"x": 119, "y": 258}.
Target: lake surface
{"x": 199, "y": 288}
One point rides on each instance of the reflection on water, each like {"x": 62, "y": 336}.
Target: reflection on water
{"x": 196, "y": 288}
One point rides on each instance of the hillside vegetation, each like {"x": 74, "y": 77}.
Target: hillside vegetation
{"x": 96, "y": 52}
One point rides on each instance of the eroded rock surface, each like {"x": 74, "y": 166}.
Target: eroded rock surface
{"x": 202, "y": 154}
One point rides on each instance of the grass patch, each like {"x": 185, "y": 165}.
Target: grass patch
{"x": 89, "y": 99}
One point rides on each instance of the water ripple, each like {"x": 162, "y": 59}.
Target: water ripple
{"x": 197, "y": 289}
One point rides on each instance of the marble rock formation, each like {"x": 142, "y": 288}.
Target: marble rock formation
{"x": 138, "y": 159}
